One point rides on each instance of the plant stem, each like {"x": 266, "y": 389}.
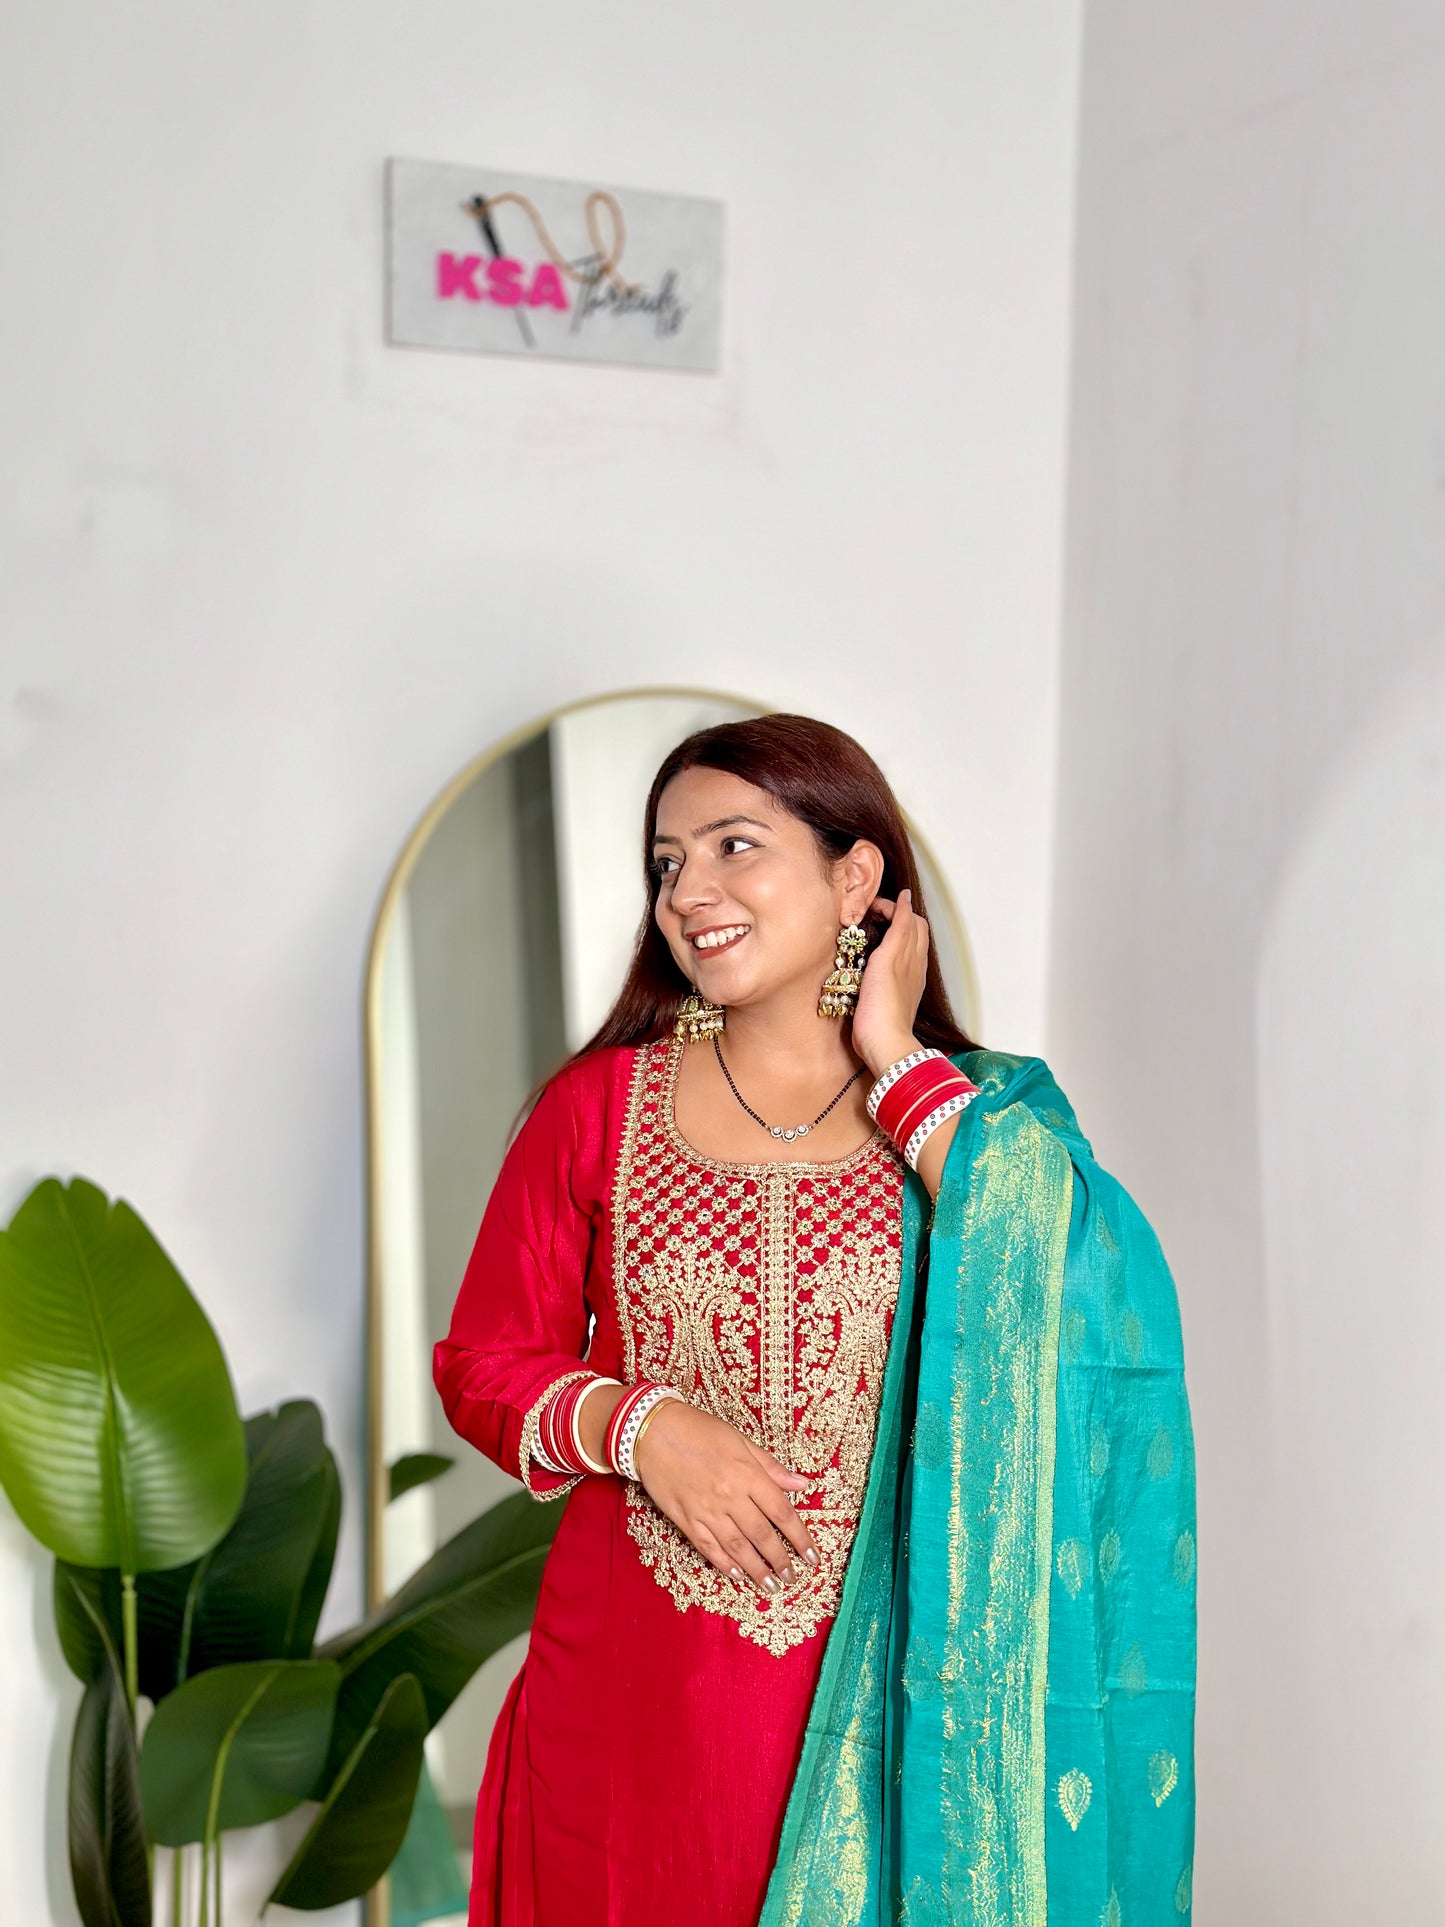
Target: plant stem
{"x": 218, "y": 1879}
{"x": 205, "y": 1883}
{"x": 132, "y": 1642}
{"x": 177, "y": 1886}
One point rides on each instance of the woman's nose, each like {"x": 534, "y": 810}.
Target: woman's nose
{"x": 692, "y": 889}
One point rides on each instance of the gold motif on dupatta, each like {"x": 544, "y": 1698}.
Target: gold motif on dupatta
{"x": 1163, "y": 1776}
{"x": 763, "y": 1292}
{"x": 1075, "y": 1791}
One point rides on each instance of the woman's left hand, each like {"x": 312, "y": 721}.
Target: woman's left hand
{"x": 893, "y": 980}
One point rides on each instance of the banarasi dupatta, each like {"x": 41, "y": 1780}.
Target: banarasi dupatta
{"x": 1002, "y": 1732}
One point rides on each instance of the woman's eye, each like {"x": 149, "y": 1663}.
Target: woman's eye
{"x": 745, "y": 842}
{"x": 659, "y": 865}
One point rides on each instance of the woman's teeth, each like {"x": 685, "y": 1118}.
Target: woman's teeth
{"x": 715, "y": 939}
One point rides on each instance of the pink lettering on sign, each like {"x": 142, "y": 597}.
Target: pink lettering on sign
{"x": 507, "y": 282}
{"x": 457, "y": 274}
{"x": 547, "y": 289}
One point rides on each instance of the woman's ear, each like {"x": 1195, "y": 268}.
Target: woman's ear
{"x": 861, "y": 876}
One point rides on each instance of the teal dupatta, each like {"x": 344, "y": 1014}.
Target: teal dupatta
{"x": 1002, "y": 1729}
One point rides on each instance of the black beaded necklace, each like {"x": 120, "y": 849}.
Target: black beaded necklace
{"x": 786, "y": 1132}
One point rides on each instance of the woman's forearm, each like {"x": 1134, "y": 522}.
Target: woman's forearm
{"x": 932, "y": 1157}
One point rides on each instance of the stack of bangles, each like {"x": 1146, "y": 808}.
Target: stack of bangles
{"x": 914, "y": 1096}
{"x": 559, "y": 1436}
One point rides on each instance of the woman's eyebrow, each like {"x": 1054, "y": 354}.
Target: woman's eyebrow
{"x": 706, "y": 829}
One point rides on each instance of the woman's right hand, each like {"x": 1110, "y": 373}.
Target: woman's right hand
{"x": 728, "y": 1495}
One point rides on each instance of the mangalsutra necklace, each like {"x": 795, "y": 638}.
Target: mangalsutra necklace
{"x": 785, "y": 1131}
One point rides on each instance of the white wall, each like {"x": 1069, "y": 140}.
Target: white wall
{"x": 268, "y": 583}
{"x": 1250, "y": 934}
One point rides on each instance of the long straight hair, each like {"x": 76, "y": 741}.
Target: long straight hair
{"x": 827, "y": 780}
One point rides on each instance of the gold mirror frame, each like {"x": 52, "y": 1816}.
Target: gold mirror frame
{"x": 942, "y": 901}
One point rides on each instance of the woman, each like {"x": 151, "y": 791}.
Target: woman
{"x": 873, "y": 1600}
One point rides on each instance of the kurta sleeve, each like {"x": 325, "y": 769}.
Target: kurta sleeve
{"x": 519, "y": 1325}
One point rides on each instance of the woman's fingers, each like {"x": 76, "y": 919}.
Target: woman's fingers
{"x": 775, "y": 1549}
{"x": 786, "y": 1519}
{"x": 774, "y": 1467}
{"x": 748, "y": 1542}
{"x": 726, "y": 1494}
{"x": 733, "y": 1553}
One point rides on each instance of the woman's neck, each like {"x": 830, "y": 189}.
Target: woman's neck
{"x": 788, "y": 1040}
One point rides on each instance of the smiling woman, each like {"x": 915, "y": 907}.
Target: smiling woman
{"x": 809, "y": 1498}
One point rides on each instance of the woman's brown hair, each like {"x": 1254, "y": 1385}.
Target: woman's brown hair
{"x": 823, "y": 777}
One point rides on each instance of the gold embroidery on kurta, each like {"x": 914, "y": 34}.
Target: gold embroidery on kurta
{"x": 764, "y": 1292}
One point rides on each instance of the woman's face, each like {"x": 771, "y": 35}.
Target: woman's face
{"x": 743, "y": 898}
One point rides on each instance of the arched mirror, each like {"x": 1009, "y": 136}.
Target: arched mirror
{"x": 502, "y": 937}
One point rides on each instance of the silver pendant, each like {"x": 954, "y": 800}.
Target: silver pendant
{"x": 798, "y": 1130}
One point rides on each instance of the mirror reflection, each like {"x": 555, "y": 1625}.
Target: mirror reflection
{"x": 501, "y": 942}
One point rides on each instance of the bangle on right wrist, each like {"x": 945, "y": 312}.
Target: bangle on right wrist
{"x": 626, "y": 1421}
{"x": 914, "y": 1096}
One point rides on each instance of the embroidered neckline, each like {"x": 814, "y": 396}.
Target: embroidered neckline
{"x": 769, "y": 1304}
{"x": 753, "y": 1167}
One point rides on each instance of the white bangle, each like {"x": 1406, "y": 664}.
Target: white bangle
{"x": 891, "y": 1076}
{"x": 582, "y": 1454}
{"x": 652, "y": 1396}
{"x": 550, "y": 1464}
{"x": 949, "y": 1108}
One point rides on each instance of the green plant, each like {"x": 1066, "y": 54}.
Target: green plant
{"x": 193, "y": 1556}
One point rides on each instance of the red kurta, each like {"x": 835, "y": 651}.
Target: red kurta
{"x": 639, "y": 1769}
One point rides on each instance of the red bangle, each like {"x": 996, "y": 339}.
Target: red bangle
{"x": 927, "y": 1103}
{"x": 620, "y": 1415}
{"x": 914, "y": 1103}
{"x": 554, "y": 1428}
{"x": 917, "y": 1094}
{"x": 934, "y": 1074}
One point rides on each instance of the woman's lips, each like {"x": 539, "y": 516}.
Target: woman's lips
{"x": 707, "y": 943}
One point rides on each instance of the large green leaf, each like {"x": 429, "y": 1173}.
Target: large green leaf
{"x": 87, "y": 1616}
{"x": 257, "y": 1595}
{"x": 108, "y": 1867}
{"x": 120, "y": 1443}
{"x": 416, "y": 1468}
{"x": 363, "y": 1821}
{"x": 247, "y": 1592}
{"x": 318, "y": 1574}
{"x": 86, "y": 1595}
{"x": 235, "y": 1746}
{"x": 473, "y": 1595}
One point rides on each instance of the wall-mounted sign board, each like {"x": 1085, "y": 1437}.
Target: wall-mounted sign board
{"x": 517, "y": 264}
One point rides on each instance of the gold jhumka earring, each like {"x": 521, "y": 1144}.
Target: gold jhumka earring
{"x": 697, "y": 1019}
{"x": 842, "y": 984}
